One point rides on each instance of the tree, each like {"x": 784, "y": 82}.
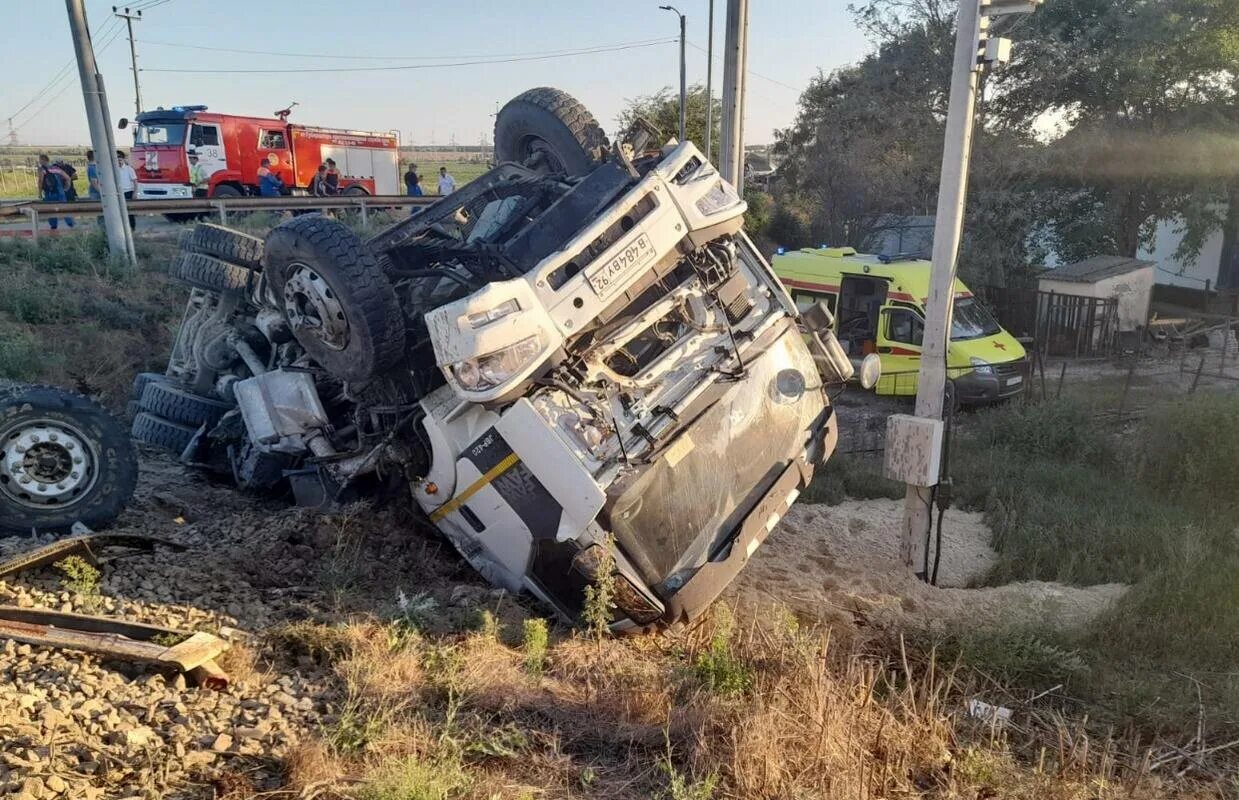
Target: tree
{"x": 1142, "y": 92}
{"x": 663, "y": 110}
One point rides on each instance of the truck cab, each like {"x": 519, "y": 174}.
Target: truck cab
{"x": 878, "y": 303}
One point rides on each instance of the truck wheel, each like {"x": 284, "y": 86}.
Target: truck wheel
{"x": 338, "y": 302}
{"x": 206, "y": 272}
{"x": 550, "y": 131}
{"x": 141, "y": 379}
{"x": 150, "y": 429}
{"x": 63, "y": 459}
{"x": 226, "y": 244}
{"x": 177, "y": 405}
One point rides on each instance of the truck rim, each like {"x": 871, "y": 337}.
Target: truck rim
{"x": 312, "y": 307}
{"x": 46, "y": 462}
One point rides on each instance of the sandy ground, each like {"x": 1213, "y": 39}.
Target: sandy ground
{"x": 839, "y": 564}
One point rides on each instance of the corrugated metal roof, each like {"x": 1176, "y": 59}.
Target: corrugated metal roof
{"x": 1094, "y": 269}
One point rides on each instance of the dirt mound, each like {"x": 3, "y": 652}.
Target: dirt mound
{"x": 839, "y": 564}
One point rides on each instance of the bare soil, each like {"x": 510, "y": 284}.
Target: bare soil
{"x": 839, "y": 565}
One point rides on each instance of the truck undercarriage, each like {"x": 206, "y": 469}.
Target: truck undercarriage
{"x": 578, "y": 366}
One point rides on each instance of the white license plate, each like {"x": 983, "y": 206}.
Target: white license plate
{"x": 609, "y": 276}
{"x": 1015, "y": 380}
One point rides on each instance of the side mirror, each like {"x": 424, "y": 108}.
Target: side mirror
{"x": 124, "y": 123}
{"x": 870, "y": 371}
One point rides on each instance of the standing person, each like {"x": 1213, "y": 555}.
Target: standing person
{"x": 128, "y": 183}
{"x": 197, "y": 175}
{"x": 318, "y": 183}
{"x": 92, "y": 177}
{"x": 332, "y": 179}
{"x": 413, "y": 185}
{"x": 269, "y": 184}
{"x": 53, "y": 183}
{"x": 447, "y": 184}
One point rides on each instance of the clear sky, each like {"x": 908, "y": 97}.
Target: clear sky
{"x": 789, "y": 41}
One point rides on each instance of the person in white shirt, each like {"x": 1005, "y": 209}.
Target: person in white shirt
{"x": 128, "y": 182}
{"x": 447, "y": 184}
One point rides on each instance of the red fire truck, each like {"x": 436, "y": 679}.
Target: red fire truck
{"x": 231, "y": 148}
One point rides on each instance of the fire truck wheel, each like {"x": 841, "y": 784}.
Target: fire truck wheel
{"x": 212, "y": 274}
{"x": 224, "y": 243}
{"x": 63, "y": 459}
{"x": 339, "y": 304}
{"x": 550, "y": 131}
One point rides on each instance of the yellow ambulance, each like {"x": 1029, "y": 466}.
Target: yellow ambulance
{"x": 878, "y": 303}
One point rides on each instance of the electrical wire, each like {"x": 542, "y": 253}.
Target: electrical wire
{"x": 390, "y": 68}
{"x": 63, "y": 72}
{"x": 285, "y": 54}
{"x": 755, "y": 74}
{"x": 116, "y": 35}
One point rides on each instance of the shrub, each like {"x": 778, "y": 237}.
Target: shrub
{"x": 1190, "y": 449}
{"x": 1061, "y": 429}
{"x": 534, "y": 643}
{"x": 21, "y": 357}
{"x": 717, "y": 667}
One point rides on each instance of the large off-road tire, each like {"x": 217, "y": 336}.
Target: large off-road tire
{"x": 550, "y": 131}
{"x": 150, "y": 429}
{"x": 225, "y": 244}
{"x": 178, "y": 405}
{"x": 63, "y": 459}
{"x": 338, "y": 303}
{"x": 141, "y": 379}
{"x": 207, "y": 272}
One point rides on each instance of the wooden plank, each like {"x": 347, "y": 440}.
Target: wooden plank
{"x": 208, "y": 675}
{"x": 194, "y": 651}
{"x": 133, "y": 630}
{"x": 107, "y": 644}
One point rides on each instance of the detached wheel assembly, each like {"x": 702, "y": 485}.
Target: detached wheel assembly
{"x": 208, "y": 272}
{"x": 550, "y": 131}
{"x": 225, "y": 244}
{"x": 63, "y": 459}
{"x": 338, "y": 303}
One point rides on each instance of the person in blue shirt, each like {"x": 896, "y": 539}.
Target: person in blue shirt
{"x": 269, "y": 184}
{"x": 92, "y": 177}
{"x": 53, "y": 187}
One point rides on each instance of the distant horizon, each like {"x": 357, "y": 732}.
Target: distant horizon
{"x": 440, "y": 78}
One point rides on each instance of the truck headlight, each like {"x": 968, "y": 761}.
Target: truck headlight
{"x": 500, "y": 311}
{"x": 981, "y": 366}
{"x": 495, "y": 369}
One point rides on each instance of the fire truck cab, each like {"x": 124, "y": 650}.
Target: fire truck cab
{"x": 231, "y": 148}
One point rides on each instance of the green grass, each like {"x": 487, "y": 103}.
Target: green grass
{"x": 1084, "y": 499}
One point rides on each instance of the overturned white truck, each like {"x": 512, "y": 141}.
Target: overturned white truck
{"x": 577, "y": 362}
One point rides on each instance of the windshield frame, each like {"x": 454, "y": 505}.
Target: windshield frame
{"x": 141, "y": 132}
{"x": 982, "y": 322}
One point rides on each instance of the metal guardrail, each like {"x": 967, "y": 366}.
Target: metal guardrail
{"x": 219, "y": 205}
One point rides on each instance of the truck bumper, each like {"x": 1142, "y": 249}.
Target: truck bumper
{"x": 164, "y": 191}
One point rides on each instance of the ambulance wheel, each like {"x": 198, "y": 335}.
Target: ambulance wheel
{"x": 338, "y": 303}
{"x": 63, "y": 459}
{"x": 550, "y": 131}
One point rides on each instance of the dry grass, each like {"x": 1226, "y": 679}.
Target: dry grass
{"x": 462, "y": 716}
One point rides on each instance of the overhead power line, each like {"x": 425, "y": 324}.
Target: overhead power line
{"x": 68, "y": 85}
{"x": 696, "y": 46}
{"x": 286, "y": 54}
{"x": 61, "y": 73}
{"x": 541, "y": 57}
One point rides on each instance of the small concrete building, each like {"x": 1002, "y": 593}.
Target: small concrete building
{"x": 1128, "y": 279}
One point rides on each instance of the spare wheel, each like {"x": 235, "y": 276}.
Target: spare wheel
{"x": 550, "y": 131}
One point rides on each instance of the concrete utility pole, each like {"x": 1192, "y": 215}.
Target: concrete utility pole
{"x": 710, "y": 80}
{"x": 133, "y": 56}
{"x": 120, "y": 237}
{"x": 735, "y": 66}
{"x": 973, "y": 50}
{"x": 683, "y": 72}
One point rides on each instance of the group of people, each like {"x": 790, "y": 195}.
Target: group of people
{"x": 57, "y": 179}
{"x": 413, "y": 182}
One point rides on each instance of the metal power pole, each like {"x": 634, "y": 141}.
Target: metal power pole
{"x": 115, "y": 224}
{"x": 735, "y": 65}
{"x": 973, "y": 50}
{"x": 683, "y": 73}
{"x": 133, "y": 56}
{"x": 710, "y": 80}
